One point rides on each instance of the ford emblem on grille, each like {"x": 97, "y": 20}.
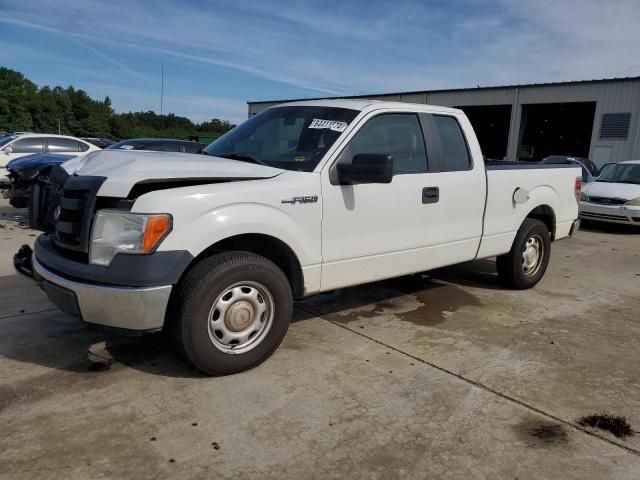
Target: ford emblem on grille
{"x": 56, "y": 213}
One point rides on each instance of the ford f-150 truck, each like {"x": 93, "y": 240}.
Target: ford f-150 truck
{"x": 302, "y": 198}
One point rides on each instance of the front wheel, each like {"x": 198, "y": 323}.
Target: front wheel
{"x": 525, "y": 264}
{"x": 230, "y": 312}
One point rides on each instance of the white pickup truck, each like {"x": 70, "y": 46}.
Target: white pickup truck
{"x": 302, "y": 198}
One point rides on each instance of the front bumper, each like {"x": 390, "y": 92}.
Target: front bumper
{"x": 610, "y": 213}
{"x": 132, "y": 293}
{"x": 131, "y": 308}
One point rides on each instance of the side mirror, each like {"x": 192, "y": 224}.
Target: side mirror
{"x": 8, "y": 150}
{"x": 366, "y": 168}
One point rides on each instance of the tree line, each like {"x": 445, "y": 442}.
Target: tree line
{"x": 26, "y": 107}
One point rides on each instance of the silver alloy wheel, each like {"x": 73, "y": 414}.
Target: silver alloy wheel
{"x": 532, "y": 255}
{"x": 241, "y": 317}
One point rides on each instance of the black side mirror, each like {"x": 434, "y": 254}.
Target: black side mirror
{"x": 366, "y": 168}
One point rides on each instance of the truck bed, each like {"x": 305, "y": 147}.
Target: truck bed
{"x": 551, "y": 191}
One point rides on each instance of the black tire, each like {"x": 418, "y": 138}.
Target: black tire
{"x": 511, "y": 266}
{"x": 188, "y": 321}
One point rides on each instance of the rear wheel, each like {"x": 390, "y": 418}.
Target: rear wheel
{"x": 230, "y": 312}
{"x": 525, "y": 264}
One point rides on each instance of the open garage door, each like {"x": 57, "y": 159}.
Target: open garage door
{"x": 491, "y": 124}
{"x": 555, "y": 129}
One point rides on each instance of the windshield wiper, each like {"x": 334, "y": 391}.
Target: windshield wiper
{"x": 241, "y": 157}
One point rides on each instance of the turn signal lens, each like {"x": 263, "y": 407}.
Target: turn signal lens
{"x": 578, "y": 188}
{"x": 154, "y": 230}
{"x": 634, "y": 203}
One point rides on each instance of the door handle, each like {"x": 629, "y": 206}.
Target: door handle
{"x": 430, "y": 195}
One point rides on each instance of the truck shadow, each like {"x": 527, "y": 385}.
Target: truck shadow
{"x": 54, "y": 340}
{"x": 34, "y": 332}
{"x": 13, "y": 217}
{"x": 613, "y": 228}
{"x": 437, "y": 290}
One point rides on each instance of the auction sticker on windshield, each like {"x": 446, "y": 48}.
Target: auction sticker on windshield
{"x": 330, "y": 124}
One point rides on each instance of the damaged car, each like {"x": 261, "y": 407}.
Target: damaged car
{"x": 25, "y": 171}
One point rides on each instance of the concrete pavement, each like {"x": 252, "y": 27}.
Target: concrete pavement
{"x": 440, "y": 375}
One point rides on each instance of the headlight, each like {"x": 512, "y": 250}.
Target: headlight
{"x": 584, "y": 198}
{"x": 634, "y": 203}
{"x": 123, "y": 232}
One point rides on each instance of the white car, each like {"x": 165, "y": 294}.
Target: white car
{"x": 302, "y": 198}
{"x": 614, "y": 196}
{"x": 16, "y": 146}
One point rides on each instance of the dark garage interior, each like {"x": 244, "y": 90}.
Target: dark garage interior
{"x": 555, "y": 129}
{"x": 491, "y": 123}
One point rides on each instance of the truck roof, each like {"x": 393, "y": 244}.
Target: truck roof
{"x": 365, "y": 104}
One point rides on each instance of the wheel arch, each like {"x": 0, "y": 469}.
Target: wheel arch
{"x": 546, "y": 215}
{"x": 267, "y": 246}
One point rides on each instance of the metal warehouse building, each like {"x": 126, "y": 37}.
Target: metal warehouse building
{"x": 592, "y": 118}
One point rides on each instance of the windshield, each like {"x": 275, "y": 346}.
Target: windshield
{"x": 5, "y": 140}
{"x": 293, "y": 138}
{"x": 621, "y": 173}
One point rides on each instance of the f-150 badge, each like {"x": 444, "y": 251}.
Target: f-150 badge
{"x": 303, "y": 199}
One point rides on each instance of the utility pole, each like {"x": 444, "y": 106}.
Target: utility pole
{"x": 59, "y": 131}
{"x": 162, "y": 90}
{"x": 162, "y": 99}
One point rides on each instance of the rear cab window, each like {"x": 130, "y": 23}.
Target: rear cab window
{"x": 454, "y": 152}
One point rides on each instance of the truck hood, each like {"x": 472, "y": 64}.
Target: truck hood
{"x": 624, "y": 191}
{"x": 124, "y": 169}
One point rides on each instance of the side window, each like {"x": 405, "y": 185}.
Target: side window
{"x": 55, "y": 145}
{"x": 83, "y": 147}
{"x": 455, "y": 154}
{"x": 164, "y": 147}
{"x": 28, "y": 145}
{"x": 396, "y": 134}
{"x": 193, "y": 148}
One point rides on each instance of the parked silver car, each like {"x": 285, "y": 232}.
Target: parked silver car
{"x": 614, "y": 196}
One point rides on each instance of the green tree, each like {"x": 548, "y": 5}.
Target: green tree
{"x": 24, "y": 106}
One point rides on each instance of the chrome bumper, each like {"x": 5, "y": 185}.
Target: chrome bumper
{"x": 128, "y": 308}
{"x": 610, "y": 213}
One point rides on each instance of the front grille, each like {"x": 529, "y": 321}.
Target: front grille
{"x": 604, "y": 216}
{"x": 607, "y": 201}
{"x": 76, "y": 210}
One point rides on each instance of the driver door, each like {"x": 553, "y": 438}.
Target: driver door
{"x": 375, "y": 231}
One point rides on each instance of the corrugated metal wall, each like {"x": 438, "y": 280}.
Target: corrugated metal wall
{"x": 615, "y": 96}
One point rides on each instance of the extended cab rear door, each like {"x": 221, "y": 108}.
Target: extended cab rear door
{"x": 430, "y": 215}
{"x": 456, "y": 168}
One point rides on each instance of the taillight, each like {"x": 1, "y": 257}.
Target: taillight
{"x": 578, "y": 188}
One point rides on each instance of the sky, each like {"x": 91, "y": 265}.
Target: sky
{"x": 218, "y": 55}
